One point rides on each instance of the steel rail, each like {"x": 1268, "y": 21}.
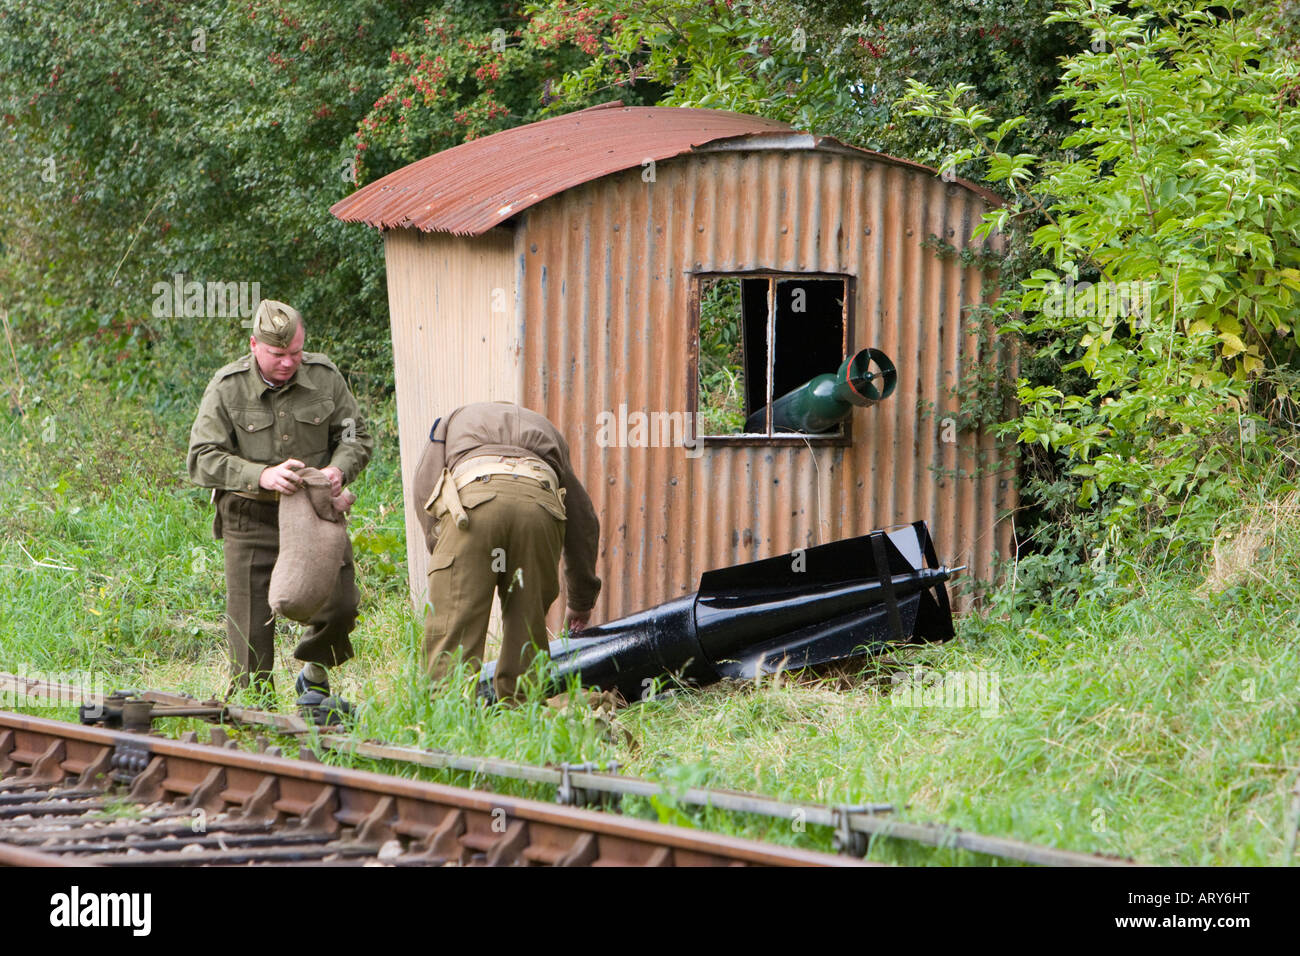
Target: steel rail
{"x": 18, "y": 856}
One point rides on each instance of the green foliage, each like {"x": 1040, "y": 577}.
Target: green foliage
{"x": 384, "y": 546}
{"x": 1153, "y": 724}
{"x": 834, "y": 67}
{"x": 714, "y": 55}
{"x": 722, "y": 397}
{"x": 1141, "y": 715}
{"x": 1170, "y": 234}
{"x": 1284, "y": 26}
{"x": 210, "y": 141}
{"x": 149, "y": 140}
{"x": 471, "y": 70}
{"x": 110, "y": 564}
{"x": 1166, "y": 706}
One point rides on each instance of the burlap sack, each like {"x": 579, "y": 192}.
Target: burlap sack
{"x": 313, "y": 545}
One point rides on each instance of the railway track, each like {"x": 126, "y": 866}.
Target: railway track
{"x": 853, "y": 825}
{"x": 87, "y": 796}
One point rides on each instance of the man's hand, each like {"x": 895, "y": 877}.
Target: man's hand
{"x": 335, "y": 476}
{"x": 281, "y": 477}
{"x": 576, "y": 620}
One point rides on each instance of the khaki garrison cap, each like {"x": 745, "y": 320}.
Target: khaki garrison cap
{"x": 276, "y": 323}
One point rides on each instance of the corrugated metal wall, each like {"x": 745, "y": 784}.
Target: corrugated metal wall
{"x": 455, "y": 340}
{"x": 605, "y": 277}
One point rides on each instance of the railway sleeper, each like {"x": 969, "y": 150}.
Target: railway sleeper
{"x": 222, "y": 841}
{"x": 113, "y": 833}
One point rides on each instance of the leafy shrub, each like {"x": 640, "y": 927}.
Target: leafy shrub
{"x": 1169, "y": 231}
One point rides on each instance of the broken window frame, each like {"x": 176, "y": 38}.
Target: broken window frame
{"x": 844, "y": 437}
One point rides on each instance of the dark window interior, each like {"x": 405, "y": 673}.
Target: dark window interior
{"x": 809, "y": 339}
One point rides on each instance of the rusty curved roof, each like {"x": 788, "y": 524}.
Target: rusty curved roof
{"x": 468, "y": 189}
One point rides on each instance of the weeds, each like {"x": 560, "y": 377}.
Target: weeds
{"x": 1156, "y": 720}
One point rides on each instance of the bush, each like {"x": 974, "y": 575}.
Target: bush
{"x": 1167, "y": 304}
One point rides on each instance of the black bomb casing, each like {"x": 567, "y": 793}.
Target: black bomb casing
{"x": 812, "y": 606}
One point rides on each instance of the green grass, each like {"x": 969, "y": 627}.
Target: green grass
{"x": 1158, "y": 723}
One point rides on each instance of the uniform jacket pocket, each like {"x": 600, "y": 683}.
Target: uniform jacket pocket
{"x": 256, "y": 440}
{"x": 471, "y": 497}
{"x": 553, "y": 506}
{"x": 440, "y": 562}
{"x": 312, "y": 427}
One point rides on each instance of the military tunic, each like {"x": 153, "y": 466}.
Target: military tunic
{"x": 243, "y": 426}
{"x": 517, "y": 529}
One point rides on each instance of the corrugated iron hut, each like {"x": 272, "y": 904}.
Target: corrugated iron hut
{"x": 650, "y": 277}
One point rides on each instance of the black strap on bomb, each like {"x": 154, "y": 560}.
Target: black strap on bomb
{"x": 886, "y": 576}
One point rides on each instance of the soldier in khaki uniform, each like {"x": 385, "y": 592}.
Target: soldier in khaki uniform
{"x": 499, "y": 502}
{"x": 272, "y": 411}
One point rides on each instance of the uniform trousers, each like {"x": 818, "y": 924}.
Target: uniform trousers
{"x": 512, "y": 546}
{"x": 250, "y": 533}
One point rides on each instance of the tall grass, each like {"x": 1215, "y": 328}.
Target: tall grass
{"x": 1159, "y": 723}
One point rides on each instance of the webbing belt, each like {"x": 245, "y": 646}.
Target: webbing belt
{"x": 265, "y": 496}
{"x": 485, "y": 466}
{"x": 446, "y": 498}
